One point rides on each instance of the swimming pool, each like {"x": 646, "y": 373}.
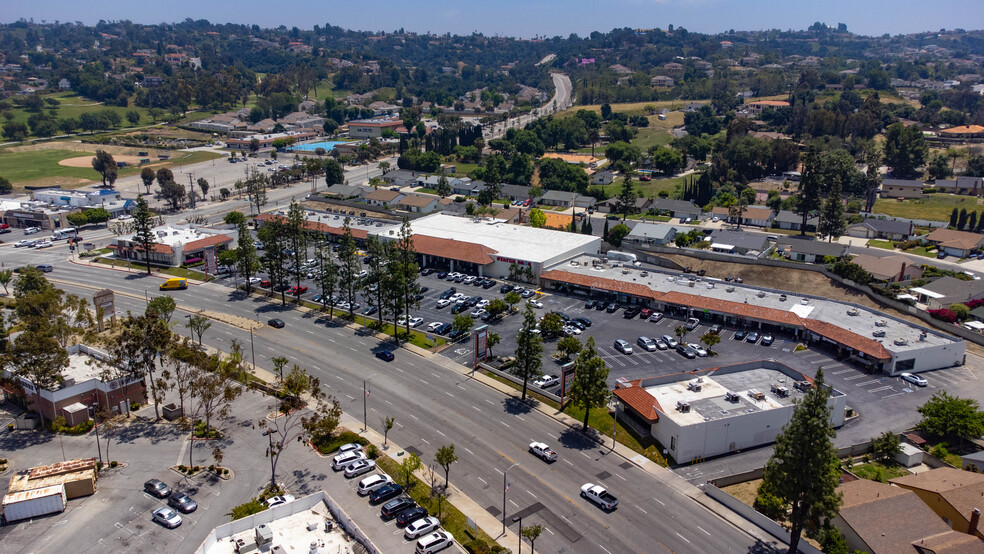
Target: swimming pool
{"x": 312, "y": 146}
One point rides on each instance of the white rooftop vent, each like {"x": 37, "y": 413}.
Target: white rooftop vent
{"x": 761, "y": 294}
{"x": 805, "y": 301}
{"x": 900, "y": 342}
{"x": 881, "y": 323}
{"x": 853, "y": 311}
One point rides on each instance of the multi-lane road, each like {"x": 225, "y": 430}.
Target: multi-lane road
{"x": 435, "y": 404}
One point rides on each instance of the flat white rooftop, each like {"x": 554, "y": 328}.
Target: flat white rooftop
{"x": 510, "y": 241}
{"x": 899, "y": 335}
{"x": 172, "y": 235}
{"x": 299, "y": 532}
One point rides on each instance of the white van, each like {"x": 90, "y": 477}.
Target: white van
{"x": 343, "y": 460}
{"x": 438, "y": 540}
{"x": 373, "y": 482}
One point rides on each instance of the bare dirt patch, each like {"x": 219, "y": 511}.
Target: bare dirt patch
{"x": 86, "y": 161}
{"x": 745, "y": 492}
{"x": 77, "y": 147}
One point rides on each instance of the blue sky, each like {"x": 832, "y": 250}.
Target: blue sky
{"x": 524, "y": 18}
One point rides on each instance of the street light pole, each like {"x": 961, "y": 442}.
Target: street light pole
{"x": 252, "y": 350}
{"x": 520, "y": 533}
{"x": 365, "y": 397}
{"x": 504, "y": 486}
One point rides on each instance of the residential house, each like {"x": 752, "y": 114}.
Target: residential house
{"x": 754, "y": 216}
{"x": 383, "y": 197}
{"x": 85, "y": 384}
{"x": 654, "y": 234}
{"x": 739, "y": 242}
{"x": 884, "y": 229}
{"x": 603, "y": 178}
{"x": 419, "y": 204}
{"x": 564, "y": 199}
{"x": 901, "y": 188}
{"x": 884, "y": 519}
{"x": 152, "y": 81}
{"x": 676, "y": 208}
{"x": 400, "y": 177}
{"x": 891, "y": 269}
{"x": 793, "y": 221}
{"x": 757, "y": 107}
{"x": 369, "y": 128}
{"x": 466, "y": 187}
{"x": 809, "y": 250}
{"x": 963, "y": 132}
{"x": 345, "y": 192}
{"x": 955, "y": 243}
{"x": 953, "y": 494}
{"x": 64, "y": 84}
{"x": 515, "y": 192}
{"x": 661, "y": 81}
{"x": 965, "y": 185}
{"x": 948, "y": 290}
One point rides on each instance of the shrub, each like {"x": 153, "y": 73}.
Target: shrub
{"x": 254, "y": 506}
{"x": 939, "y": 451}
{"x": 332, "y": 442}
{"x": 944, "y": 314}
{"x": 372, "y": 452}
{"x": 182, "y": 468}
{"x": 213, "y": 433}
{"x": 114, "y": 463}
{"x": 134, "y": 406}
{"x": 59, "y": 425}
{"x": 99, "y": 466}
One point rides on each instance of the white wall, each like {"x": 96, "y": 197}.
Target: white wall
{"x": 930, "y": 357}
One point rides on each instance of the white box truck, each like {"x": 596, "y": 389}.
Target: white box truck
{"x": 34, "y": 503}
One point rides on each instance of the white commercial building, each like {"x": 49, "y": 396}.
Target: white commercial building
{"x": 718, "y": 411}
{"x": 489, "y": 247}
{"x": 864, "y": 335}
{"x": 175, "y": 245}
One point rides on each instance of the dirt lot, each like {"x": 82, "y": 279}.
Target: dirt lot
{"x": 745, "y": 492}
{"x": 78, "y": 147}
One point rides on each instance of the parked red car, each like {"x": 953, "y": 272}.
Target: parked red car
{"x": 645, "y": 313}
{"x": 265, "y": 283}
{"x": 297, "y": 291}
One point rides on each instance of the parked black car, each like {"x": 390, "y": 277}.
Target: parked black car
{"x": 393, "y": 508}
{"x": 447, "y": 294}
{"x": 740, "y": 335}
{"x": 442, "y": 275}
{"x": 489, "y": 283}
{"x": 612, "y": 308}
{"x": 443, "y": 329}
{"x": 411, "y": 515}
{"x": 505, "y": 288}
{"x": 589, "y": 304}
{"x": 631, "y": 312}
{"x": 384, "y": 492}
{"x": 583, "y": 321}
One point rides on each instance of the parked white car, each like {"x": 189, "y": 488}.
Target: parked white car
{"x": 421, "y": 527}
{"x": 443, "y": 303}
{"x": 346, "y": 459}
{"x": 698, "y": 349}
{"x": 535, "y": 303}
{"x": 373, "y": 482}
{"x": 433, "y": 326}
{"x": 415, "y": 321}
{"x": 359, "y": 467}
{"x": 914, "y": 379}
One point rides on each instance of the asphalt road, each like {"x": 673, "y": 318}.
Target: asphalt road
{"x": 434, "y": 406}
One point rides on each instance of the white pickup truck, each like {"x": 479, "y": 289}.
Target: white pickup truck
{"x": 599, "y": 495}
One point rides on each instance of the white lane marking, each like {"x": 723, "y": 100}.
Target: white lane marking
{"x": 400, "y": 370}
{"x": 641, "y": 510}
{"x": 484, "y": 481}
{"x": 880, "y": 388}
{"x": 425, "y": 440}
{"x": 513, "y": 503}
{"x": 449, "y": 394}
{"x": 435, "y": 375}
{"x": 476, "y": 408}
{"x": 498, "y": 470}
{"x": 620, "y": 477}
{"x": 316, "y": 367}
{"x": 702, "y": 529}
{"x": 660, "y": 501}
{"x": 585, "y": 455}
{"x": 602, "y": 547}
{"x": 490, "y": 402}
{"x": 520, "y": 418}
{"x": 547, "y": 529}
{"x": 425, "y": 382}
{"x": 891, "y": 395}
{"x": 339, "y": 377}
{"x": 506, "y": 424}
{"x": 350, "y": 397}
{"x": 388, "y": 402}
{"x": 440, "y": 433}
{"x": 866, "y": 383}
{"x": 460, "y": 387}
{"x": 413, "y": 416}
{"x": 531, "y": 494}
{"x": 682, "y": 537}
{"x": 568, "y": 463}
{"x": 472, "y": 453}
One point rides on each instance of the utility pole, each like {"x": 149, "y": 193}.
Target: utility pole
{"x": 191, "y": 188}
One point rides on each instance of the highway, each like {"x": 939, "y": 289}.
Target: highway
{"x": 435, "y": 405}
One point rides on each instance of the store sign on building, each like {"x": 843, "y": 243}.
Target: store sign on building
{"x": 512, "y": 261}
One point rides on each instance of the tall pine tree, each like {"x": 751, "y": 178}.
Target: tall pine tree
{"x": 143, "y": 226}
{"x": 832, "y": 222}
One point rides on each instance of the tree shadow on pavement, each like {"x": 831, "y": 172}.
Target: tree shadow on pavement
{"x": 15, "y": 440}
{"x": 574, "y": 438}
{"x": 515, "y": 406}
{"x": 767, "y": 548}
{"x": 154, "y": 432}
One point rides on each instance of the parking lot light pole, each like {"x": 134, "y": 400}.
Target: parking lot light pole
{"x": 252, "y": 350}
{"x": 504, "y": 487}
{"x": 520, "y": 533}
{"x": 365, "y": 397}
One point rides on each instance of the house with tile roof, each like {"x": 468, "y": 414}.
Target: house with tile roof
{"x": 383, "y": 197}
{"x": 809, "y": 250}
{"x": 953, "y": 494}
{"x": 890, "y": 269}
{"x": 710, "y": 412}
{"x": 869, "y": 518}
{"x": 955, "y": 243}
{"x": 884, "y": 229}
{"x": 419, "y": 204}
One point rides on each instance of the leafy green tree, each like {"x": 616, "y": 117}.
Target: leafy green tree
{"x": 808, "y": 196}
{"x": 162, "y": 307}
{"x": 496, "y": 308}
{"x": 147, "y": 175}
{"x": 143, "y": 230}
{"x": 512, "y": 298}
{"x": 334, "y": 174}
{"x": 462, "y": 322}
{"x": 348, "y": 265}
{"x": 233, "y": 218}
{"x": 804, "y": 471}
{"x": 952, "y": 417}
{"x": 886, "y": 445}
{"x": 444, "y": 457}
{"x": 617, "y": 234}
{"x": 304, "y": 412}
{"x": 5, "y": 186}
{"x": 377, "y": 286}
{"x": 409, "y": 465}
{"x": 626, "y": 198}
{"x": 105, "y": 165}
{"x": 247, "y": 262}
{"x": 6, "y": 276}
{"x": 443, "y": 188}
{"x": 551, "y": 325}
{"x": 297, "y": 237}
{"x": 529, "y": 350}
{"x": 387, "y": 427}
{"x": 531, "y": 533}
{"x": 589, "y": 388}
{"x": 537, "y": 218}
{"x": 174, "y": 194}
{"x": 905, "y": 149}
{"x": 133, "y": 116}
{"x": 327, "y": 275}
{"x": 568, "y": 346}
{"x": 198, "y": 325}
{"x": 710, "y": 339}
{"x": 204, "y": 186}
{"x": 273, "y": 235}
{"x": 832, "y": 224}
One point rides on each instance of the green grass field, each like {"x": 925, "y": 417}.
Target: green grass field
{"x": 73, "y": 105}
{"x": 25, "y": 167}
{"x": 936, "y": 207}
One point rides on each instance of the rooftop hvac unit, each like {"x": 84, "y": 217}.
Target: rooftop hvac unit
{"x": 853, "y": 311}
{"x": 731, "y": 397}
{"x": 730, "y": 289}
{"x": 881, "y": 323}
{"x": 761, "y": 294}
{"x": 805, "y": 301}
{"x": 878, "y": 333}
{"x": 694, "y": 386}
{"x": 755, "y": 394}
{"x": 922, "y": 336}
{"x": 780, "y": 391}
{"x": 802, "y": 385}
{"x": 900, "y": 342}
{"x": 683, "y": 406}
{"x": 264, "y": 535}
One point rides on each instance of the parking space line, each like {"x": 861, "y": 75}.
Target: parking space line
{"x": 866, "y": 383}
{"x": 891, "y": 395}
{"x": 853, "y": 377}
{"x": 887, "y": 387}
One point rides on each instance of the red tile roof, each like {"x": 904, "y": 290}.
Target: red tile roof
{"x": 870, "y": 347}
{"x": 453, "y": 249}
{"x": 601, "y": 283}
{"x": 752, "y": 311}
{"x": 640, "y": 401}
{"x": 211, "y": 240}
